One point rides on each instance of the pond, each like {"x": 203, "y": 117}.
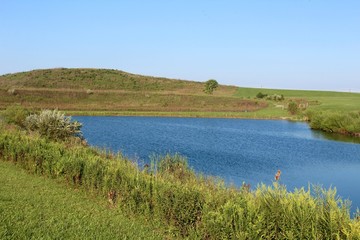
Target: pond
{"x": 237, "y": 150}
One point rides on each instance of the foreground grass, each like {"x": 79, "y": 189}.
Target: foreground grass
{"x": 187, "y": 205}
{"x": 35, "y": 207}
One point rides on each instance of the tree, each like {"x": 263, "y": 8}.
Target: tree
{"x": 210, "y": 86}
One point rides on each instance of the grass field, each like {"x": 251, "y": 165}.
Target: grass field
{"x": 113, "y": 92}
{"x": 34, "y": 207}
{"x": 319, "y": 100}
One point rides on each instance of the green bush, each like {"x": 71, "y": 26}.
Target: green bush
{"x": 260, "y": 95}
{"x": 173, "y": 165}
{"x": 275, "y": 97}
{"x": 293, "y": 108}
{"x": 337, "y": 122}
{"x": 16, "y": 114}
{"x": 54, "y": 125}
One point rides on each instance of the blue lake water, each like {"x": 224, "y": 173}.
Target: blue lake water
{"x": 237, "y": 150}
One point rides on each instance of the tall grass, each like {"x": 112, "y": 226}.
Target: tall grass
{"x": 344, "y": 123}
{"x": 191, "y": 206}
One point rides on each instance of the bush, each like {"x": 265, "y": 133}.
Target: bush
{"x": 16, "y": 114}
{"x": 53, "y": 125}
{"x": 261, "y": 95}
{"x": 175, "y": 166}
{"x": 275, "y": 97}
{"x": 338, "y": 122}
{"x": 293, "y": 108}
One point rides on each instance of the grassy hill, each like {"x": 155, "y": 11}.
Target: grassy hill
{"x": 114, "y": 92}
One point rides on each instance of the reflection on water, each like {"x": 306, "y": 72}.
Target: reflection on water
{"x": 334, "y": 136}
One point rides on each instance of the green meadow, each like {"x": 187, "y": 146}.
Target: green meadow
{"x": 319, "y": 100}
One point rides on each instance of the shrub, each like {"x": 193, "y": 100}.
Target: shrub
{"x": 275, "y": 97}
{"x": 174, "y": 165}
{"x": 15, "y": 114}
{"x": 261, "y": 95}
{"x": 53, "y": 124}
{"x": 293, "y": 108}
{"x": 338, "y": 122}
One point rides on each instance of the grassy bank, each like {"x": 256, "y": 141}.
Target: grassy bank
{"x": 264, "y": 114}
{"x": 187, "y": 205}
{"x": 36, "y": 207}
{"x": 335, "y": 122}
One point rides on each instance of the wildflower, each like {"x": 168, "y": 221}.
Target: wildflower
{"x": 277, "y": 175}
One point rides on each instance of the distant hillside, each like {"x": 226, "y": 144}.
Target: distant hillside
{"x": 113, "y": 90}
{"x": 99, "y": 79}
{"x": 106, "y": 91}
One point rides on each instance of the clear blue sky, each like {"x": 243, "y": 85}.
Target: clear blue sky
{"x": 296, "y": 44}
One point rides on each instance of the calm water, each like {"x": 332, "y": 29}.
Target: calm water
{"x": 237, "y": 150}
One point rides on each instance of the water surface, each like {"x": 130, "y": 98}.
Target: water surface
{"x": 237, "y": 150}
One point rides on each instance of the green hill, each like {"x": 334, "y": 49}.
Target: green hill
{"x": 99, "y": 79}
{"x": 102, "y": 90}
{"x": 114, "y": 92}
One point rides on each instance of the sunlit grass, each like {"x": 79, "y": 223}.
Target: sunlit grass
{"x": 34, "y": 207}
{"x": 171, "y": 195}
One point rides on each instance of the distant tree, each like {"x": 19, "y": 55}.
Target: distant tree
{"x": 261, "y": 95}
{"x": 293, "y": 108}
{"x": 210, "y": 86}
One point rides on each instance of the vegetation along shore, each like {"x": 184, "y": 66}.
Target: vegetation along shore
{"x": 170, "y": 198}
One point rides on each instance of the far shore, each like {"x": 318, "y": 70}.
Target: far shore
{"x": 239, "y": 115}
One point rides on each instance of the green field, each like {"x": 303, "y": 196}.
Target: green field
{"x": 35, "y": 207}
{"x": 113, "y": 92}
{"x": 319, "y": 100}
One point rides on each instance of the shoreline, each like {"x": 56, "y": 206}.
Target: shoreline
{"x": 226, "y": 115}
{"x": 219, "y": 115}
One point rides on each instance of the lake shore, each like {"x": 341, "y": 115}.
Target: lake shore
{"x": 240, "y": 115}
